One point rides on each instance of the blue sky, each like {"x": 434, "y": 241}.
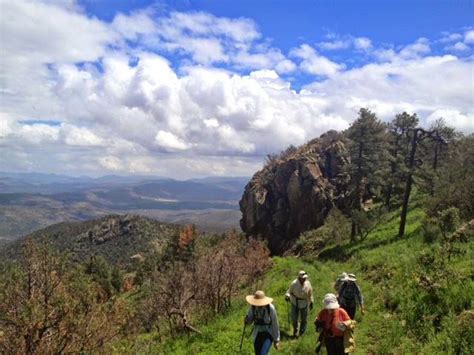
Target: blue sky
{"x": 197, "y": 88}
{"x": 286, "y": 24}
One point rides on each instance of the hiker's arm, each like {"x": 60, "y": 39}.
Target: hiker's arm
{"x": 360, "y": 298}
{"x": 275, "y": 326}
{"x": 288, "y": 292}
{"x": 249, "y": 317}
{"x": 310, "y": 294}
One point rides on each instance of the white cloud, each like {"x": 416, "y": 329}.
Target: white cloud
{"x": 313, "y": 63}
{"x": 111, "y": 163}
{"x": 415, "y": 50}
{"x": 129, "y": 109}
{"x": 38, "y": 133}
{"x": 362, "y": 43}
{"x": 450, "y": 37}
{"x": 134, "y": 25}
{"x": 469, "y": 36}
{"x": 334, "y": 45}
{"x": 458, "y": 47}
{"x": 81, "y": 137}
{"x": 169, "y": 141}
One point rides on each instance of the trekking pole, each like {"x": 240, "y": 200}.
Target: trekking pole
{"x": 288, "y": 314}
{"x": 242, "y": 337}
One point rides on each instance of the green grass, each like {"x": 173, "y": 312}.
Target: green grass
{"x": 385, "y": 268}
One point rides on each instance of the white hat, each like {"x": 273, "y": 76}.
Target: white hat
{"x": 343, "y": 276}
{"x": 330, "y": 301}
{"x": 302, "y": 274}
{"x": 351, "y": 277}
{"x": 259, "y": 299}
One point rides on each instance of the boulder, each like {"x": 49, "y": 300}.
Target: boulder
{"x": 295, "y": 191}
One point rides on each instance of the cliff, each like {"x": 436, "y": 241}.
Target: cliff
{"x": 295, "y": 191}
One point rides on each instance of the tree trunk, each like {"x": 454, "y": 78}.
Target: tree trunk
{"x": 408, "y": 183}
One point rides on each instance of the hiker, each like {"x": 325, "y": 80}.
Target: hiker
{"x": 300, "y": 294}
{"x": 263, "y": 315}
{"x": 350, "y": 296}
{"x": 330, "y": 323}
{"x": 339, "y": 281}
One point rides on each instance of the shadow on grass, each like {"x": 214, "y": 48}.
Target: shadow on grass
{"x": 343, "y": 253}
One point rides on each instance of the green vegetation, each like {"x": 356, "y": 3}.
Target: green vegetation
{"x": 133, "y": 285}
{"x": 417, "y": 300}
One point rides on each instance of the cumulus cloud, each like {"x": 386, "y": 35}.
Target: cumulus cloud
{"x": 313, "y": 63}
{"x": 132, "y": 109}
{"x": 469, "y": 36}
{"x": 169, "y": 141}
{"x": 337, "y": 42}
{"x": 334, "y": 45}
{"x": 362, "y": 43}
{"x": 458, "y": 47}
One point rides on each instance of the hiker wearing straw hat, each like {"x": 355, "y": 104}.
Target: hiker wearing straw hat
{"x": 300, "y": 294}
{"x": 263, "y": 315}
{"x": 330, "y": 322}
{"x": 350, "y": 295}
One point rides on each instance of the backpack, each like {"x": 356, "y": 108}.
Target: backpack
{"x": 348, "y": 293}
{"x": 259, "y": 315}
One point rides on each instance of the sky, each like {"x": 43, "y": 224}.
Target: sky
{"x": 199, "y": 88}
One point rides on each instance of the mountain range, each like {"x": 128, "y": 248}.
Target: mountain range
{"x": 29, "y": 202}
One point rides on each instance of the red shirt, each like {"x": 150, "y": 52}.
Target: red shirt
{"x": 331, "y": 320}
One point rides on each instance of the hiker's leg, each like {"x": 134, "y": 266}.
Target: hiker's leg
{"x": 267, "y": 345}
{"x": 339, "y": 345}
{"x": 334, "y": 345}
{"x": 294, "y": 318}
{"x": 258, "y": 343}
{"x": 304, "y": 317}
{"x": 350, "y": 310}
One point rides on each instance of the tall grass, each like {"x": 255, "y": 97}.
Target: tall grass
{"x": 388, "y": 271}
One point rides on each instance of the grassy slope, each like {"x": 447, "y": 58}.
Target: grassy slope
{"x": 378, "y": 331}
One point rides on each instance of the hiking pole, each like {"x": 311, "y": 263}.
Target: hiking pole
{"x": 288, "y": 314}
{"x": 242, "y": 337}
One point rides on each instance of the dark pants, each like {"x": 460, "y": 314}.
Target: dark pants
{"x": 334, "y": 345}
{"x": 263, "y": 343}
{"x": 302, "y": 313}
{"x": 351, "y": 311}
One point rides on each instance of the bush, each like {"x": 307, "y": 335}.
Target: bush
{"x": 336, "y": 228}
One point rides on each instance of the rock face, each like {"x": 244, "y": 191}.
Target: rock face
{"x": 294, "y": 192}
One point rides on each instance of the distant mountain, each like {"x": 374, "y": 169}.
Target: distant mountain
{"x": 114, "y": 237}
{"x": 29, "y": 202}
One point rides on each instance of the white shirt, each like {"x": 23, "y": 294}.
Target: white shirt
{"x": 300, "y": 294}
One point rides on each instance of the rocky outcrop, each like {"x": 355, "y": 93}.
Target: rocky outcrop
{"x": 295, "y": 191}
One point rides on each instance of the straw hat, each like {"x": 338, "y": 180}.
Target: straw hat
{"x": 302, "y": 275}
{"x": 330, "y": 301}
{"x": 259, "y": 299}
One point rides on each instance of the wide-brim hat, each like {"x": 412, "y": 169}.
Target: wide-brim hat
{"x": 258, "y": 299}
{"x": 330, "y": 301}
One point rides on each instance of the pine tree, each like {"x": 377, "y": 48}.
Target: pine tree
{"x": 399, "y": 131}
{"x": 368, "y": 159}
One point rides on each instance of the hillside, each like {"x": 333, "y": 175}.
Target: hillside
{"x": 114, "y": 237}
{"x": 391, "y": 273}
